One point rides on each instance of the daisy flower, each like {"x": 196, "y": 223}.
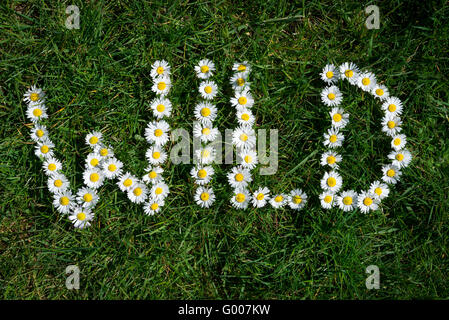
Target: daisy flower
{"x": 205, "y": 69}
{"x": 248, "y": 158}
{"x": 138, "y": 193}
{"x": 379, "y": 189}
{"x": 160, "y": 68}
{"x": 93, "y": 160}
{"x": 126, "y": 182}
{"x": 153, "y": 175}
{"x": 205, "y": 132}
{"x": 239, "y": 177}
{"x": 44, "y": 149}
{"x": 398, "y": 141}
{"x": 242, "y": 67}
{"x": 204, "y": 197}
{"x": 367, "y": 201}
{"x": 260, "y": 197}
{"x": 330, "y": 74}
{"x": 205, "y": 112}
{"x": 161, "y": 107}
{"x": 297, "y": 199}
{"x": 240, "y": 198}
{"x": 244, "y": 137}
{"x": 51, "y": 166}
{"x": 112, "y": 168}
{"x": 153, "y": 206}
{"x": 278, "y": 200}
{"x": 331, "y": 96}
{"x": 391, "y": 174}
{"x": 81, "y": 217}
{"x": 202, "y": 175}
{"x": 333, "y": 138}
{"x": 87, "y": 197}
{"x": 339, "y": 118}
{"x": 245, "y": 117}
{"x": 331, "y": 181}
{"x": 206, "y": 154}
{"x": 208, "y": 89}
{"x": 327, "y": 199}
{"x": 330, "y": 158}
{"x": 36, "y": 111}
{"x": 104, "y": 151}
{"x": 401, "y": 158}
{"x": 391, "y": 125}
{"x": 392, "y": 106}
{"x": 93, "y": 139}
{"x": 161, "y": 85}
{"x": 366, "y": 81}
{"x": 347, "y": 200}
{"x": 34, "y": 95}
{"x": 155, "y": 155}
{"x": 58, "y": 183}
{"x": 39, "y": 133}
{"x": 157, "y": 132}
{"x": 239, "y": 81}
{"x": 93, "y": 178}
{"x": 380, "y": 91}
{"x": 63, "y": 202}
{"x": 349, "y": 71}
{"x": 159, "y": 191}
{"x": 242, "y": 99}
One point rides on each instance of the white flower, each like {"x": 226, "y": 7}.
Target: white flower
{"x": 202, "y": 174}
{"x": 205, "y": 131}
{"x": 205, "y": 69}
{"x": 44, "y": 149}
{"x": 39, "y": 133}
{"x": 347, "y": 200}
{"x": 333, "y": 138}
{"x": 205, "y": 154}
{"x": 245, "y": 117}
{"x": 105, "y": 152}
{"x": 260, "y": 197}
{"x": 331, "y": 182}
{"x": 242, "y": 67}
{"x": 208, "y": 89}
{"x": 58, "y": 183}
{"x": 379, "y": 189}
{"x": 161, "y": 107}
{"x": 242, "y": 99}
{"x": 160, "y": 68}
{"x": 204, "y": 197}
{"x": 380, "y": 91}
{"x": 366, "y": 81}
{"x": 279, "y": 200}
{"x": 112, "y": 168}
{"x": 240, "y": 198}
{"x": 244, "y": 137}
{"x": 349, "y": 71}
{"x": 297, "y": 199}
{"x": 36, "y": 111}
{"x": 153, "y": 175}
{"x": 247, "y": 158}
{"x": 159, "y": 191}
{"x": 392, "y": 106}
{"x": 391, "y": 125}
{"x": 155, "y": 155}
{"x": 239, "y": 177}
{"x": 391, "y": 174}
{"x": 330, "y": 74}
{"x": 398, "y": 141}
{"x": 51, "y": 166}
{"x": 367, "y": 201}
{"x": 239, "y": 81}
{"x": 87, "y": 197}
{"x": 138, "y": 193}
{"x": 63, "y": 202}
{"x": 327, "y": 199}
{"x": 93, "y": 160}
{"x": 153, "y": 206}
{"x": 401, "y": 158}
{"x": 205, "y": 112}
{"x": 34, "y": 95}
{"x": 161, "y": 85}
{"x": 331, "y": 96}
{"x": 126, "y": 182}
{"x": 330, "y": 158}
{"x": 157, "y": 132}
{"x": 339, "y": 118}
{"x": 81, "y": 217}
{"x": 93, "y": 138}
{"x": 93, "y": 178}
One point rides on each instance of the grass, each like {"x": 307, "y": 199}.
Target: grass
{"x": 97, "y": 77}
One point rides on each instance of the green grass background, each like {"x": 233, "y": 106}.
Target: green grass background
{"x": 97, "y": 77}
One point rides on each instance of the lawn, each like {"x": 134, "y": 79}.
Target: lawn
{"x": 98, "y": 78}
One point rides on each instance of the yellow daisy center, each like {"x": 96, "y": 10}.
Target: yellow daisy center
{"x": 337, "y": 117}
{"x": 34, "y": 96}
{"x": 205, "y": 131}
{"x": 245, "y": 117}
{"x": 240, "y": 82}
{"x": 333, "y": 138}
{"x": 347, "y": 200}
{"x": 112, "y": 167}
{"x": 349, "y": 73}
{"x": 366, "y": 81}
{"x": 204, "y": 69}
{"x": 379, "y": 92}
{"x": 40, "y": 133}
{"x": 297, "y": 199}
{"x": 391, "y": 173}
{"x": 152, "y": 174}
{"x": 331, "y": 182}
{"x": 37, "y": 112}
{"x": 160, "y": 70}
{"x": 241, "y": 67}
{"x": 161, "y": 85}
{"x": 331, "y": 96}
{"x": 204, "y": 196}
{"x": 331, "y": 160}
{"x": 160, "y": 107}
{"x": 87, "y": 197}
{"x": 367, "y": 201}
{"x": 208, "y": 89}
{"x": 248, "y": 159}
{"x": 202, "y": 173}
{"x": 58, "y": 183}
{"x": 158, "y": 190}
{"x": 94, "y": 162}
{"x": 51, "y": 167}
{"x": 260, "y": 196}
{"x": 397, "y": 141}
{"x": 391, "y": 124}
{"x": 243, "y": 100}
{"x": 378, "y": 191}
{"x": 327, "y": 199}
{"x": 104, "y": 152}
{"x": 44, "y": 149}
{"x": 94, "y": 177}
{"x": 156, "y": 155}
{"x": 329, "y": 74}
{"x": 154, "y": 206}
{"x": 243, "y": 137}
{"x": 64, "y": 201}
{"x": 205, "y": 154}
{"x": 205, "y": 112}
{"x": 81, "y": 216}
{"x": 392, "y": 107}
{"x": 128, "y": 182}
{"x": 399, "y": 157}
{"x": 137, "y": 191}
{"x": 158, "y": 132}
{"x": 240, "y": 197}
{"x": 239, "y": 177}
{"x": 93, "y": 140}
{"x": 279, "y": 198}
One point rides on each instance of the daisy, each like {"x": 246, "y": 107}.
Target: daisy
{"x": 81, "y": 217}
{"x": 366, "y": 81}
{"x": 112, "y": 168}
{"x": 206, "y": 154}
{"x": 398, "y": 141}
{"x": 138, "y": 193}
{"x": 331, "y": 96}
{"x": 347, "y": 200}
{"x": 391, "y": 174}
{"x": 153, "y": 175}
{"x": 44, "y": 149}
{"x": 58, "y": 183}
{"x": 126, "y": 181}
{"x": 205, "y": 112}
{"x": 34, "y": 95}
{"x": 240, "y": 198}
{"x": 279, "y": 200}
{"x": 51, "y": 166}
{"x": 160, "y": 68}
{"x": 297, "y": 199}
{"x": 157, "y": 132}
{"x": 161, "y": 107}
{"x": 248, "y": 158}
{"x": 339, "y": 118}
{"x": 242, "y": 99}
{"x": 379, "y": 189}
{"x": 93, "y": 178}
{"x": 331, "y": 181}
{"x": 153, "y": 206}
{"x": 104, "y": 151}
{"x": 205, "y": 131}
{"x": 330, "y": 74}
{"x": 349, "y": 71}
{"x": 63, "y": 202}
{"x": 330, "y": 158}
{"x": 93, "y": 160}
{"x": 327, "y": 199}
{"x": 239, "y": 177}
{"x": 392, "y": 106}
{"x": 391, "y": 125}
{"x": 380, "y": 91}
{"x": 161, "y": 85}
{"x": 261, "y": 197}
{"x": 39, "y": 133}
{"x": 87, "y": 197}
{"x": 208, "y": 89}
{"x": 245, "y": 117}
{"x": 401, "y": 158}
{"x": 204, "y": 197}
{"x": 36, "y": 111}
{"x": 333, "y": 138}
{"x": 202, "y": 175}
{"x": 155, "y": 155}
{"x": 205, "y": 69}
{"x": 159, "y": 191}
{"x": 239, "y": 81}
{"x": 367, "y": 201}
{"x": 93, "y": 138}
{"x": 244, "y": 137}
{"x": 242, "y": 67}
